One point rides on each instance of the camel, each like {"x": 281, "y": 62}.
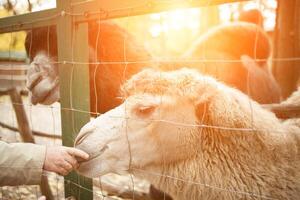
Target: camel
{"x": 195, "y": 138}
{"x": 108, "y": 43}
{"x": 237, "y": 54}
{"x": 222, "y": 43}
{"x": 105, "y": 79}
{"x": 253, "y": 15}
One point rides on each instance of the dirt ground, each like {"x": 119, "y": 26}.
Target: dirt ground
{"x": 47, "y": 119}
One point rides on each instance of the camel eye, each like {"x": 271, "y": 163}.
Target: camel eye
{"x": 145, "y": 111}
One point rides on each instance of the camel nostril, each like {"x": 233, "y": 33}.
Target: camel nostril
{"x": 81, "y": 136}
{"x": 83, "y": 133}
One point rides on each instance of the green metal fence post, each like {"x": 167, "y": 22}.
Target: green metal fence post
{"x": 74, "y": 91}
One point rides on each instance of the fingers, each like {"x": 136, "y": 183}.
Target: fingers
{"x": 64, "y": 168}
{"x": 77, "y": 153}
{"x": 62, "y": 159}
{"x": 67, "y": 166}
{"x": 72, "y": 161}
{"x": 62, "y": 171}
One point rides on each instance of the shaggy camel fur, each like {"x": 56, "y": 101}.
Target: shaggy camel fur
{"x": 194, "y": 138}
{"x": 294, "y": 99}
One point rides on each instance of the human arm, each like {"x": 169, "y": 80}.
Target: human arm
{"x": 23, "y": 163}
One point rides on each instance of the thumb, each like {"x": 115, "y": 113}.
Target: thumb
{"x": 78, "y": 153}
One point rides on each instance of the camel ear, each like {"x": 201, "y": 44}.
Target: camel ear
{"x": 250, "y": 63}
{"x": 202, "y": 110}
{"x": 206, "y": 92}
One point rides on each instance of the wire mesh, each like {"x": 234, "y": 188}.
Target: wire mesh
{"x": 53, "y": 112}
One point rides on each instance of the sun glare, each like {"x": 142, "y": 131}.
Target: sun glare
{"x": 171, "y": 33}
{"x": 229, "y": 12}
{"x": 175, "y": 21}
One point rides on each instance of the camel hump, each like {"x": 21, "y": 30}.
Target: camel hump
{"x": 236, "y": 39}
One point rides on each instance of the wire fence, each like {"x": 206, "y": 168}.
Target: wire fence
{"x": 52, "y": 117}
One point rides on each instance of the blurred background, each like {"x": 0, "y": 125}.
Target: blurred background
{"x": 166, "y": 34}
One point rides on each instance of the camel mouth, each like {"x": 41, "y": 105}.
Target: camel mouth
{"x": 86, "y": 167}
{"x": 92, "y": 155}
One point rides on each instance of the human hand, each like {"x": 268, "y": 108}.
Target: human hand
{"x": 42, "y": 80}
{"x": 61, "y": 160}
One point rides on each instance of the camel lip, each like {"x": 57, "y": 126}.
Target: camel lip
{"x": 93, "y": 156}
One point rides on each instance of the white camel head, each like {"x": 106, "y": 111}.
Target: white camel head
{"x": 157, "y": 124}
{"x": 189, "y": 126}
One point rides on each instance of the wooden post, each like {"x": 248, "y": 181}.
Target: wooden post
{"x": 22, "y": 120}
{"x": 74, "y": 91}
{"x": 26, "y": 133}
{"x": 287, "y": 45}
